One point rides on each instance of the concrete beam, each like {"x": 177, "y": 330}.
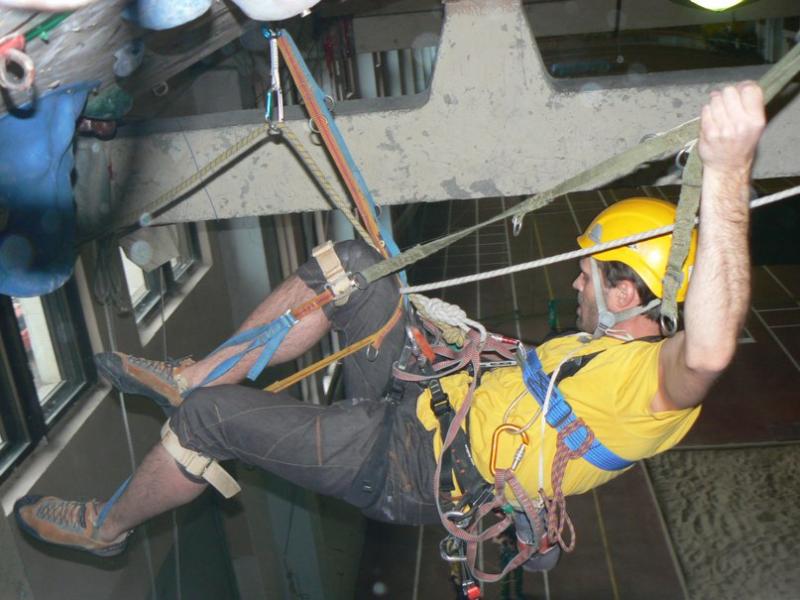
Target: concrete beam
{"x": 399, "y": 29}
{"x": 494, "y": 124}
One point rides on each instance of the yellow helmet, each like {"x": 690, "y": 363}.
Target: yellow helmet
{"x": 647, "y": 258}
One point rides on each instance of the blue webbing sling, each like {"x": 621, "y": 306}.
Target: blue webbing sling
{"x": 561, "y": 414}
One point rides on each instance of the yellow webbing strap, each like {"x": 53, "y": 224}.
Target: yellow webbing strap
{"x": 375, "y": 337}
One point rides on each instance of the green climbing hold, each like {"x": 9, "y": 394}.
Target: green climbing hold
{"x": 111, "y": 103}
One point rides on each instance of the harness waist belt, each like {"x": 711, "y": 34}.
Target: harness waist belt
{"x": 561, "y": 414}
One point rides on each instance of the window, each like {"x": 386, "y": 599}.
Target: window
{"x": 148, "y": 282}
{"x": 46, "y": 363}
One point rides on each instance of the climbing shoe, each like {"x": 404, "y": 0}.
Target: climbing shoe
{"x": 159, "y": 381}
{"x": 66, "y": 523}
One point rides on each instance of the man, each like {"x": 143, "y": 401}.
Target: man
{"x": 638, "y": 395}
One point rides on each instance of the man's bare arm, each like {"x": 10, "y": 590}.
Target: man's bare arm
{"x": 719, "y": 291}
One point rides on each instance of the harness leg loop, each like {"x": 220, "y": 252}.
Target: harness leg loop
{"x": 199, "y": 465}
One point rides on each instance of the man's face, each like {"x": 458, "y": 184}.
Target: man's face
{"x": 586, "y": 314}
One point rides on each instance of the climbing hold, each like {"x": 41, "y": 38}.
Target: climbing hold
{"x": 166, "y": 14}
{"x": 110, "y": 104}
{"x": 274, "y": 10}
{"x": 37, "y": 244}
{"x": 128, "y": 58}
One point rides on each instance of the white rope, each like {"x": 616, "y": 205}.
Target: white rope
{"x": 545, "y": 409}
{"x": 542, "y": 262}
{"x": 449, "y": 314}
{"x": 112, "y": 342}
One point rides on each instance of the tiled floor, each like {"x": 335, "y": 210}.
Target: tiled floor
{"x": 624, "y": 549}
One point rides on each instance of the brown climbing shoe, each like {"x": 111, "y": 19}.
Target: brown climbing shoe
{"x": 66, "y": 523}
{"x": 159, "y": 381}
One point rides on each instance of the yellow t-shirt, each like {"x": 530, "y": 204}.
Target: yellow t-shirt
{"x": 612, "y": 393}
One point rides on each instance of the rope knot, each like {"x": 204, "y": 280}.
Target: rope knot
{"x": 450, "y": 318}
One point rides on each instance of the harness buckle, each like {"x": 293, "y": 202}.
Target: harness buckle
{"x": 440, "y": 401}
{"x": 337, "y": 279}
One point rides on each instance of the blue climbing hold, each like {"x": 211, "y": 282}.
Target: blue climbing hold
{"x": 37, "y": 212}
{"x": 166, "y": 14}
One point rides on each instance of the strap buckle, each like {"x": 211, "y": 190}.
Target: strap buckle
{"x": 337, "y": 279}
{"x": 440, "y": 401}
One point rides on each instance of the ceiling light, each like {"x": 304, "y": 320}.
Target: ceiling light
{"x": 717, "y": 5}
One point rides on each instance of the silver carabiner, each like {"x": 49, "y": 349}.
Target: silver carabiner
{"x": 451, "y": 558}
{"x": 372, "y": 353}
{"x": 682, "y": 157}
{"x": 669, "y": 326}
{"x": 516, "y": 225}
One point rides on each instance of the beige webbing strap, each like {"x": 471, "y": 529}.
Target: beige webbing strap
{"x": 199, "y": 465}
{"x": 333, "y": 270}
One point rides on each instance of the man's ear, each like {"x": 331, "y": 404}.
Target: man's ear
{"x": 624, "y": 295}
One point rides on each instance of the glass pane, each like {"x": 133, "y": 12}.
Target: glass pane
{"x": 38, "y": 343}
{"x": 134, "y": 276}
{"x": 186, "y": 250}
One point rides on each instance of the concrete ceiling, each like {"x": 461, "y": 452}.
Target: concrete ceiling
{"x": 494, "y": 123}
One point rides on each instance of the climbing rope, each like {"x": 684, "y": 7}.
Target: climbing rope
{"x": 447, "y": 316}
{"x": 324, "y": 183}
{"x": 565, "y": 256}
{"x": 159, "y": 204}
{"x": 370, "y": 340}
{"x": 604, "y": 172}
{"x": 332, "y": 138}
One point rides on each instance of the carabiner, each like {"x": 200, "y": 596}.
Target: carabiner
{"x": 669, "y": 326}
{"x": 512, "y": 429}
{"x": 516, "y": 225}
{"x": 372, "y": 353}
{"x": 682, "y": 157}
{"x": 446, "y": 545}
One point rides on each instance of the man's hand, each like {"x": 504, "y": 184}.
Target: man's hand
{"x": 730, "y": 127}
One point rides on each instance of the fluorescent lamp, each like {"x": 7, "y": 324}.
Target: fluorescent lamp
{"x": 717, "y": 4}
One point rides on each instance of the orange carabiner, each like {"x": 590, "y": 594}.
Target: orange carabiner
{"x": 512, "y": 429}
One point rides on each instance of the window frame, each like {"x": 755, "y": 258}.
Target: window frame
{"x": 166, "y": 281}
{"x": 26, "y": 420}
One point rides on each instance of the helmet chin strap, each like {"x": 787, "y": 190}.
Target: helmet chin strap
{"x": 607, "y": 319}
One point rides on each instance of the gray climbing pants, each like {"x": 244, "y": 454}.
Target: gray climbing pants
{"x": 366, "y": 450}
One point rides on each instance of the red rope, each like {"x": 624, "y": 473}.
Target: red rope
{"x": 325, "y": 132}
